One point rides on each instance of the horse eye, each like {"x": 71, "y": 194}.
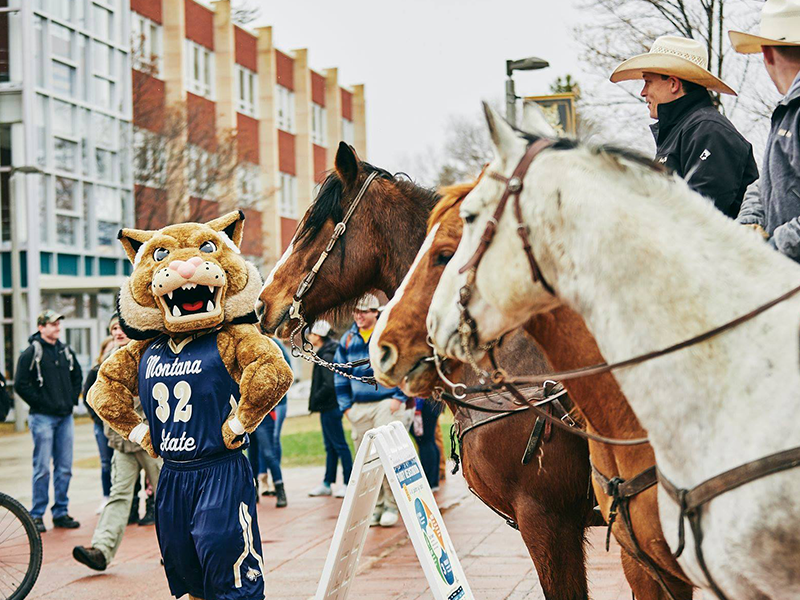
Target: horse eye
{"x": 208, "y": 246}
{"x": 469, "y": 219}
{"x": 160, "y": 254}
{"x": 443, "y": 258}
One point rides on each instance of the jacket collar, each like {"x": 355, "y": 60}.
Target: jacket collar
{"x": 672, "y": 113}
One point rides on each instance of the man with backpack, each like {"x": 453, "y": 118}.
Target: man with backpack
{"x": 48, "y": 378}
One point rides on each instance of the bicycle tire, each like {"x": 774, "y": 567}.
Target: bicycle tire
{"x": 35, "y": 545}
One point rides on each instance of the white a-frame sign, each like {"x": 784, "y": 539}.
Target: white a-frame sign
{"x": 389, "y": 450}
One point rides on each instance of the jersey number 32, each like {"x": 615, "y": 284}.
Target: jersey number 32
{"x": 183, "y": 392}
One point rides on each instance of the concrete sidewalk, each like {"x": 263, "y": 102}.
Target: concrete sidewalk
{"x": 295, "y": 541}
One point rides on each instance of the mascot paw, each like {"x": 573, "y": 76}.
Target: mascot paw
{"x": 758, "y": 229}
{"x": 232, "y": 440}
{"x": 147, "y": 444}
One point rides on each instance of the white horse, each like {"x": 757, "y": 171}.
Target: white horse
{"x": 649, "y": 263}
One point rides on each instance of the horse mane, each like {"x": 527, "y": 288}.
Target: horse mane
{"x": 451, "y": 196}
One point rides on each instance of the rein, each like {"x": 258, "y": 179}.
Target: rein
{"x": 296, "y": 311}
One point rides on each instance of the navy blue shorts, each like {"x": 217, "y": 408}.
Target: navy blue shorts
{"x": 207, "y": 528}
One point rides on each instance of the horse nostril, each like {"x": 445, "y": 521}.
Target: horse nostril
{"x": 388, "y": 356}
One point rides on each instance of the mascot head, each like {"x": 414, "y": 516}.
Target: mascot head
{"x": 186, "y": 278}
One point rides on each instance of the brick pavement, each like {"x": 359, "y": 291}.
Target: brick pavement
{"x": 295, "y": 541}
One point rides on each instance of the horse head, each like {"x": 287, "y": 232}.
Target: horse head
{"x": 388, "y": 216}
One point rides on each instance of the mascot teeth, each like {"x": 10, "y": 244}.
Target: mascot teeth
{"x": 210, "y": 306}
{"x": 169, "y": 294}
{"x": 176, "y": 312}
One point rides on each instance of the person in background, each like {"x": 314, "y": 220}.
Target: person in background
{"x": 423, "y": 428}
{"x": 268, "y": 437}
{"x": 48, "y": 378}
{"x": 365, "y": 405}
{"x": 322, "y": 399}
{"x": 6, "y": 400}
{"x": 106, "y": 452}
{"x": 128, "y": 461}
{"x": 772, "y": 207}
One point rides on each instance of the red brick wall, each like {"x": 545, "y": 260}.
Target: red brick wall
{"x": 148, "y": 8}
{"x": 286, "y": 157}
{"x": 247, "y": 138}
{"x": 148, "y": 101}
{"x": 202, "y": 116}
{"x": 199, "y": 24}
{"x": 317, "y": 88}
{"x": 151, "y": 208}
{"x": 201, "y": 210}
{"x": 320, "y": 163}
{"x": 287, "y": 232}
{"x": 284, "y": 67}
{"x": 252, "y": 243}
{"x": 246, "y": 50}
{"x": 347, "y": 105}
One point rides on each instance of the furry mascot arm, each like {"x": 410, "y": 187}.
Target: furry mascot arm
{"x": 112, "y": 394}
{"x": 257, "y": 364}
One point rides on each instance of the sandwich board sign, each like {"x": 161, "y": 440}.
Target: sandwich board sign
{"x": 388, "y": 450}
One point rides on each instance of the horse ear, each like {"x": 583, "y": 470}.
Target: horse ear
{"x": 346, "y": 164}
{"x": 534, "y": 121}
{"x": 502, "y": 135}
{"x": 132, "y": 240}
{"x": 231, "y": 225}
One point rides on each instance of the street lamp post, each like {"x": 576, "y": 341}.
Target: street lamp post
{"x": 524, "y": 64}
{"x": 17, "y": 307}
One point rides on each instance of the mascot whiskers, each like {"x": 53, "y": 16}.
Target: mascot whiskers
{"x": 206, "y": 377}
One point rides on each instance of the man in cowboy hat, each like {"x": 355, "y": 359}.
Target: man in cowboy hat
{"x": 693, "y": 138}
{"x": 775, "y": 207}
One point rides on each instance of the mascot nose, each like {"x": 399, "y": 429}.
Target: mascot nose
{"x": 186, "y": 268}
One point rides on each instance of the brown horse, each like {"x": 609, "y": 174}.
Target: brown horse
{"x": 547, "y": 499}
{"x": 400, "y": 340}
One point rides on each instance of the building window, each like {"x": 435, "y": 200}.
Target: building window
{"x": 103, "y": 22}
{"x": 146, "y": 45}
{"x": 348, "y": 132}
{"x": 248, "y": 179}
{"x": 285, "y": 105}
{"x": 66, "y": 224}
{"x": 65, "y": 155}
{"x": 109, "y": 215}
{"x": 199, "y": 70}
{"x": 62, "y": 41}
{"x": 104, "y": 161}
{"x": 248, "y": 91}
{"x": 201, "y": 173}
{"x": 287, "y": 203}
{"x": 63, "y": 78}
{"x": 319, "y": 125}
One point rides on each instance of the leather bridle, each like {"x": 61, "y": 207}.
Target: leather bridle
{"x": 296, "y": 311}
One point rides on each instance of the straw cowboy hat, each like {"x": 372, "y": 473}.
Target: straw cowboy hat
{"x": 780, "y": 26}
{"x": 675, "y": 57}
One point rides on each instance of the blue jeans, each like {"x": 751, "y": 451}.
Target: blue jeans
{"x": 52, "y": 442}
{"x": 105, "y": 458}
{"x": 428, "y": 450}
{"x": 336, "y": 447}
{"x": 269, "y": 454}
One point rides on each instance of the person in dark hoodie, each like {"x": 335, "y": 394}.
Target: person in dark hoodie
{"x": 322, "y": 399}
{"x": 48, "y": 378}
{"x": 773, "y": 206}
{"x": 693, "y": 139}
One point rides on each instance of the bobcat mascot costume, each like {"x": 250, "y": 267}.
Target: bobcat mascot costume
{"x": 206, "y": 377}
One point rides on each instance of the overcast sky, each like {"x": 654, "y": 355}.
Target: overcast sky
{"x": 424, "y": 60}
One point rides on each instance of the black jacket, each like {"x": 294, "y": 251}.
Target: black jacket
{"x": 6, "y": 401}
{"x": 697, "y": 142}
{"x": 323, "y": 395}
{"x": 61, "y": 374}
{"x": 91, "y": 377}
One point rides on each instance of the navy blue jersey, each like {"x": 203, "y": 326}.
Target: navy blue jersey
{"x": 187, "y": 396}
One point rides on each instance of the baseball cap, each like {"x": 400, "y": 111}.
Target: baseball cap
{"x": 321, "y": 328}
{"x": 368, "y": 302}
{"x": 48, "y": 316}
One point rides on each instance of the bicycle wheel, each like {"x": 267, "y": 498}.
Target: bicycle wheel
{"x": 20, "y": 550}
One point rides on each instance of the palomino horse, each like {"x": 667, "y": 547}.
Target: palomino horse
{"x": 548, "y": 499}
{"x": 400, "y": 355}
{"x": 649, "y": 265}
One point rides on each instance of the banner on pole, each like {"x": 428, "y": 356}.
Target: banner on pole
{"x": 388, "y": 450}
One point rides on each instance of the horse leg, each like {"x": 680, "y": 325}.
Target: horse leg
{"x": 556, "y": 545}
{"x": 644, "y": 587}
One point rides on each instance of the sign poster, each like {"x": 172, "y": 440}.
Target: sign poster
{"x": 559, "y": 110}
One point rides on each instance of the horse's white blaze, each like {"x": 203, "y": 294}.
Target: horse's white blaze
{"x": 374, "y": 344}
{"x": 287, "y": 253}
{"x": 648, "y": 263}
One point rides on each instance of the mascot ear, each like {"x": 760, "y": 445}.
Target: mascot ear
{"x": 231, "y": 225}
{"x": 132, "y": 240}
